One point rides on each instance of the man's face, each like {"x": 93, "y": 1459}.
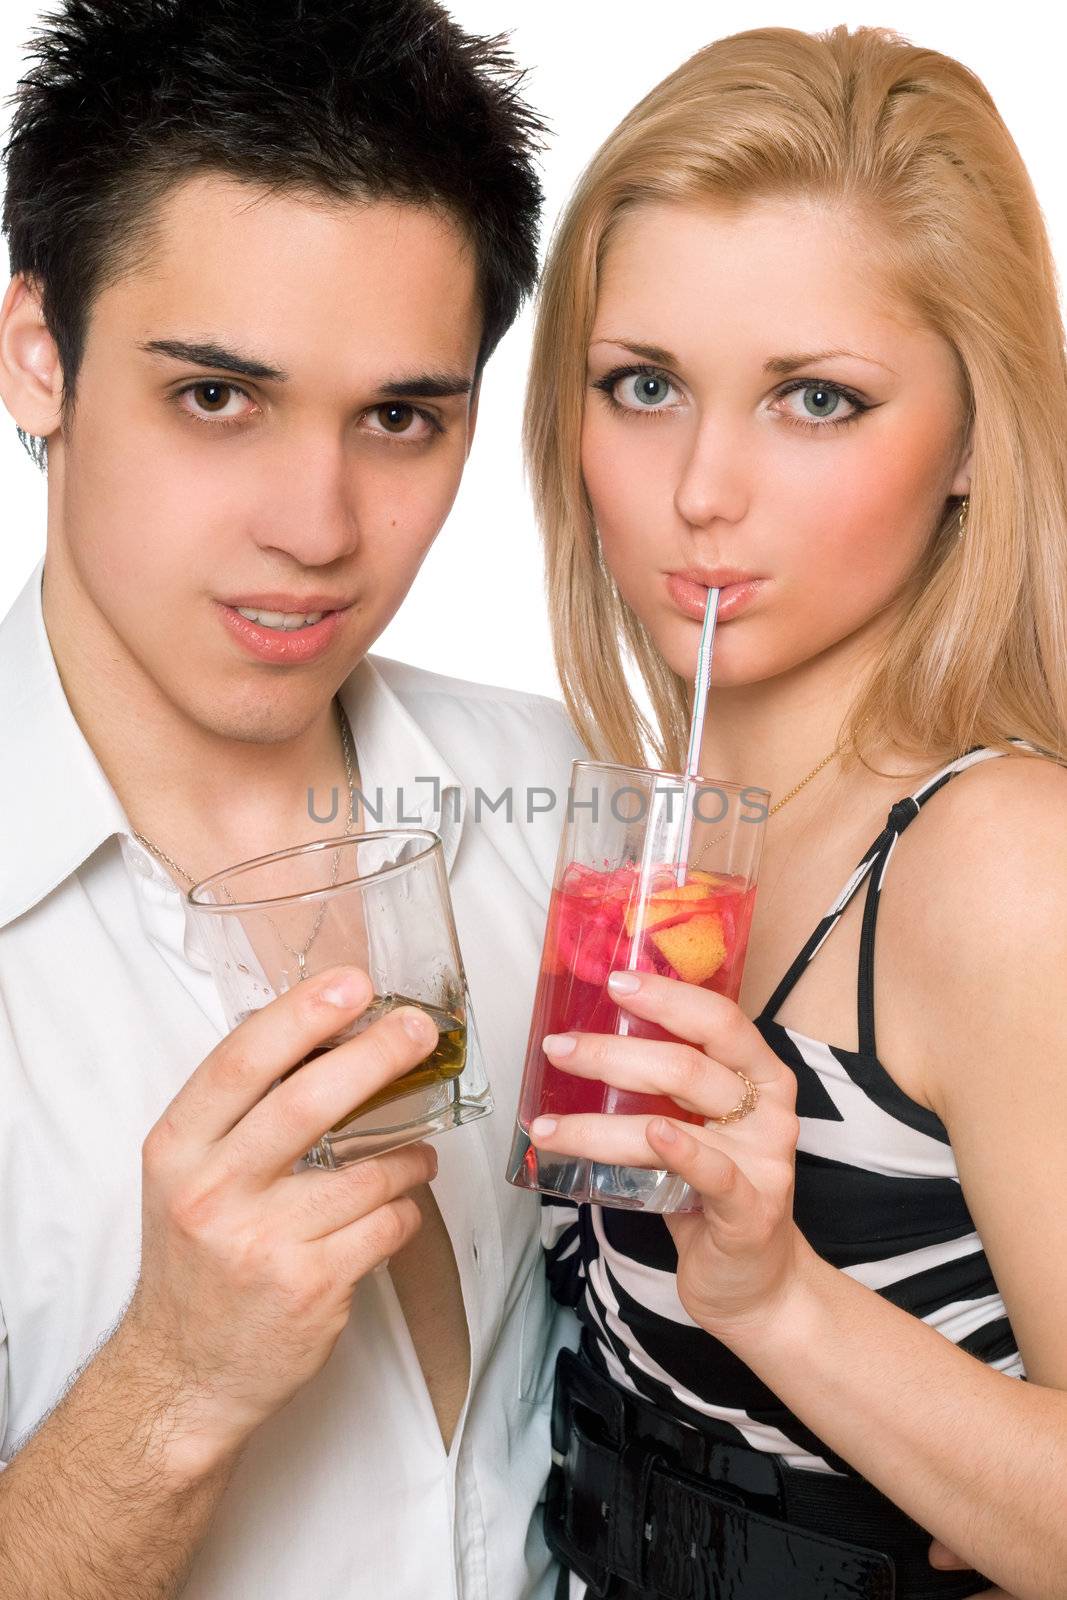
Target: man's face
{"x": 316, "y": 480}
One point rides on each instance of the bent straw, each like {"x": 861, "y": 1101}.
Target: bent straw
{"x": 701, "y": 688}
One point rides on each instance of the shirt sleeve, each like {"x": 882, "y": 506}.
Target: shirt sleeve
{"x": 562, "y": 1246}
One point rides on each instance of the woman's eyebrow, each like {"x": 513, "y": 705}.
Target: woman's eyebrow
{"x": 648, "y": 352}
{"x": 777, "y": 365}
{"x": 782, "y": 365}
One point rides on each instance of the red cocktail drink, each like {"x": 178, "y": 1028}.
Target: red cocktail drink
{"x": 696, "y": 931}
{"x": 643, "y": 883}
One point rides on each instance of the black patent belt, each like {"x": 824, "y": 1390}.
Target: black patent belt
{"x": 640, "y": 1503}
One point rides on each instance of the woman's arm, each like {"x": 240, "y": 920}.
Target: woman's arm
{"x": 978, "y": 1458}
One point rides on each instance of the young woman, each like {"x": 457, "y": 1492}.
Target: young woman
{"x": 799, "y": 339}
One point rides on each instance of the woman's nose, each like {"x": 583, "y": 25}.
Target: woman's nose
{"x": 715, "y": 481}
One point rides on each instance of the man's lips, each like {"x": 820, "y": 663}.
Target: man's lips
{"x": 292, "y": 604}
{"x": 285, "y": 648}
{"x": 690, "y": 595}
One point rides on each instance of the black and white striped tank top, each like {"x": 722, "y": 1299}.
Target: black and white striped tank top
{"x": 877, "y": 1195}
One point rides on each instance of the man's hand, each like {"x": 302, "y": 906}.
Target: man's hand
{"x": 247, "y": 1273}
{"x": 248, "y": 1268}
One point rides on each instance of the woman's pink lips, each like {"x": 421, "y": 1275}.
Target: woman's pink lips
{"x": 692, "y": 598}
{"x": 273, "y": 644}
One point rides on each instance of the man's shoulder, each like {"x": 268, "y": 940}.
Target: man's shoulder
{"x": 515, "y": 720}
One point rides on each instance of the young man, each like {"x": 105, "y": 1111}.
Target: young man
{"x": 261, "y": 251}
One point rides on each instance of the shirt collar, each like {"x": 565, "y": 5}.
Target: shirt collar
{"x": 404, "y": 779}
{"x": 57, "y": 806}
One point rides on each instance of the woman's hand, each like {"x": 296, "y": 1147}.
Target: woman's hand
{"x": 945, "y": 1560}
{"x": 738, "y": 1259}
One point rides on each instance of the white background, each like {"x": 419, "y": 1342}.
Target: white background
{"x": 476, "y": 610}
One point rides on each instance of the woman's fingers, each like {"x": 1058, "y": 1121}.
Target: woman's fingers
{"x": 705, "y": 1168}
{"x": 616, "y": 1138}
{"x": 715, "y": 1024}
{"x": 649, "y": 1066}
{"x": 656, "y": 1142}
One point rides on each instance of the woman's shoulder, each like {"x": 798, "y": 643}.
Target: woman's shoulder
{"x": 989, "y": 837}
{"x": 1004, "y": 810}
{"x": 984, "y": 880}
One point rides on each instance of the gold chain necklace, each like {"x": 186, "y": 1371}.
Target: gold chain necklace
{"x": 836, "y": 751}
{"x": 784, "y": 801}
{"x": 301, "y": 955}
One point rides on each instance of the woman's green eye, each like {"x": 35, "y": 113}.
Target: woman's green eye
{"x": 820, "y": 401}
{"x": 649, "y": 390}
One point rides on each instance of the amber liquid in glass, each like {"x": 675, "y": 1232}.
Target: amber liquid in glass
{"x": 445, "y": 1061}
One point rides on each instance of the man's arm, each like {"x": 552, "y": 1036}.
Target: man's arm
{"x": 247, "y": 1274}
{"x": 107, "y": 1499}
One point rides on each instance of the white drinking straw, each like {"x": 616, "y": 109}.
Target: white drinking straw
{"x": 696, "y": 732}
{"x": 701, "y": 688}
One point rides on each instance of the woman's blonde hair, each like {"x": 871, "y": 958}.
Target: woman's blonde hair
{"x": 911, "y": 141}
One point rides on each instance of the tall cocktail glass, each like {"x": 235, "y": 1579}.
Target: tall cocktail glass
{"x": 637, "y": 887}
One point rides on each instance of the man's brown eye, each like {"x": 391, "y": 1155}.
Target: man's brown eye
{"x": 212, "y": 396}
{"x": 395, "y": 418}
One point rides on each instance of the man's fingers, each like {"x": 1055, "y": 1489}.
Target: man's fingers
{"x": 240, "y": 1070}
{"x": 327, "y": 1201}
{"x": 354, "y": 1251}
{"x": 284, "y": 1125}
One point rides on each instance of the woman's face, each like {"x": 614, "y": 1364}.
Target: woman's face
{"x": 755, "y": 404}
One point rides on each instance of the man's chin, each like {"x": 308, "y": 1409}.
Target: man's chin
{"x": 257, "y": 714}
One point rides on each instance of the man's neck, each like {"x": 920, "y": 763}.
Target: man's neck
{"x": 205, "y": 799}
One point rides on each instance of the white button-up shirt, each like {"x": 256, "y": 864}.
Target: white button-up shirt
{"x": 107, "y": 1006}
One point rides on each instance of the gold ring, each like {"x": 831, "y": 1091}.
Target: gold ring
{"x": 747, "y": 1103}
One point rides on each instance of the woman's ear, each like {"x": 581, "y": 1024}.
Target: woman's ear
{"x": 961, "y": 483}
{"x": 31, "y": 378}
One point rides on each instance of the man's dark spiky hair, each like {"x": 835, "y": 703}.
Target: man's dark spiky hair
{"x": 368, "y": 98}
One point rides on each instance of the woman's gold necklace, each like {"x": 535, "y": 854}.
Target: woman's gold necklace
{"x": 784, "y": 801}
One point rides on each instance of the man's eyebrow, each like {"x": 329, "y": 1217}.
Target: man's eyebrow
{"x": 779, "y": 365}
{"x": 426, "y": 386}
{"x": 214, "y": 355}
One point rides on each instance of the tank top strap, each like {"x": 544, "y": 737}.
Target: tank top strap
{"x": 872, "y": 866}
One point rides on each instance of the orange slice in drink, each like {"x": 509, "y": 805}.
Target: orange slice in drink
{"x": 695, "y": 948}
{"x": 666, "y": 906}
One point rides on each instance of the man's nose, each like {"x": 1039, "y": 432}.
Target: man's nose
{"x": 311, "y": 502}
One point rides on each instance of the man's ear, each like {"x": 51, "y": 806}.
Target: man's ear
{"x": 472, "y": 412}
{"x": 31, "y": 378}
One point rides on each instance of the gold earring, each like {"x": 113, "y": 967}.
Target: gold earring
{"x": 962, "y": 519}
